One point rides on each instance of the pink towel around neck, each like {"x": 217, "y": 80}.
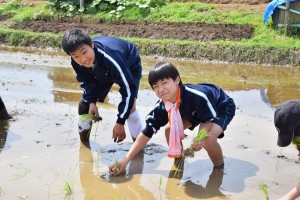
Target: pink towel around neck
{"x": 176, "y": 128}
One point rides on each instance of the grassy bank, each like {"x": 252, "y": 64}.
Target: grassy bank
{"x": 267, "y": 46}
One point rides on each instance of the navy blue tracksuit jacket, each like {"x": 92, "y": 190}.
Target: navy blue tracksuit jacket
{"x": 199, "y": 103}
{"x": 117, "y": 61}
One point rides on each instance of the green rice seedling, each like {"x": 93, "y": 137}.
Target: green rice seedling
{"x": 116, "y": 169}
{"x": 264, "y": 188}
{"x": 160, "y": 181}
{"x": 86, "y": 122}
{"x": 298, "y": 180}
{"x": 68, "y": 187}
{"x": 189, "y": 152}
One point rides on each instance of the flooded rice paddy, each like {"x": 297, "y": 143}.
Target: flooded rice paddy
{"x": 41, "y": 156}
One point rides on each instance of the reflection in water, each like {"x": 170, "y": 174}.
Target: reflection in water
{"x": 198, "y": 181}
{"x": 280, "y": 83}
{"x": 4, "y": 126}
{"x": 102, "y": 186}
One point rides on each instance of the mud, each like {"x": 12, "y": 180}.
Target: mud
{"x": 204, "y": 32}
{"x": 41, "y": 152}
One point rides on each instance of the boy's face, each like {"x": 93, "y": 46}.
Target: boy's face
{"x": 167, "y": 89}
{"x": 84, "y": 55}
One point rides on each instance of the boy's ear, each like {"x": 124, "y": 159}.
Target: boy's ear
{"x": 92, "y": 44}
{"x": 177, "y": 80}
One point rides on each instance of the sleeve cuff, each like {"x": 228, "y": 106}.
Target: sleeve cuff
{"x": 148, "y": 131}
{"x": 121, "y": 121}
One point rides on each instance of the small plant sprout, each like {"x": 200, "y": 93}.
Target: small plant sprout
{"x": 264, "y": 188}
{"x": 160, "y": 181}
{"x": 116, "y": 169}
{"x": 189, "y": 151}
{"x": 68, "y": 187}
{"x": 298, "y": 180}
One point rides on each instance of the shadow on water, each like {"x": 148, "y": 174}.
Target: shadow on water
{"x": 193, "y": 179}
{"x": 200, "y": 181}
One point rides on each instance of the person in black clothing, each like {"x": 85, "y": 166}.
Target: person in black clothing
{"x": 3, "y": 112}
{"x": 287, "y": 123}
{"x": 183, "y": 106}
{"x": 4, "y": 124}
{"x": 99, "y": 63}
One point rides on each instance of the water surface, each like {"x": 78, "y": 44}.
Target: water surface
{"x": 40, "y": 151}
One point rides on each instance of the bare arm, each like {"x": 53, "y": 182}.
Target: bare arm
{"x": 293, "y": 194}
{"x": 137, "y": 146}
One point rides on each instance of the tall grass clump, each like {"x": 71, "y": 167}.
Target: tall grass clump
{"x": 32, "y": 13}
{"x": 10, "y": 7}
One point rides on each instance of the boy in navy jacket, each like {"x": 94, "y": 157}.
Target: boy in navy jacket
{"x": 99, "y": 63}
{"x": 183, "y": 106}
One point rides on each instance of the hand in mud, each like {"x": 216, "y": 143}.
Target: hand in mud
{"x": 117, "y": 168}
{"x": 119, "y": 133}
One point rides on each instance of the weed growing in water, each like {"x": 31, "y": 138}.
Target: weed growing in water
{"x": 264, "y": 188}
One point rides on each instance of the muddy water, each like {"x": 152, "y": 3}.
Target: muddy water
{"x": 40, "y": 151}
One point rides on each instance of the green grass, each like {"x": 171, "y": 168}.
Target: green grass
{"x": 32, "y": 13}
{"x": 191, "y": 12}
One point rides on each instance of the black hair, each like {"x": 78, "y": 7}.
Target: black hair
{"x": 75, "y": 38}
{"x": 161, "y": 71}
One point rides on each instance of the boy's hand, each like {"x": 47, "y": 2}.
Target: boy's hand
{"x": 119, "y": 133}
{"x": 198, "y": 146}
{"x": 93, "y": 110}
{"x": 117, "y": 170}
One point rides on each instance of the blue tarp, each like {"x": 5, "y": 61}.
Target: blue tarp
{"x": 271, "y": 7}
